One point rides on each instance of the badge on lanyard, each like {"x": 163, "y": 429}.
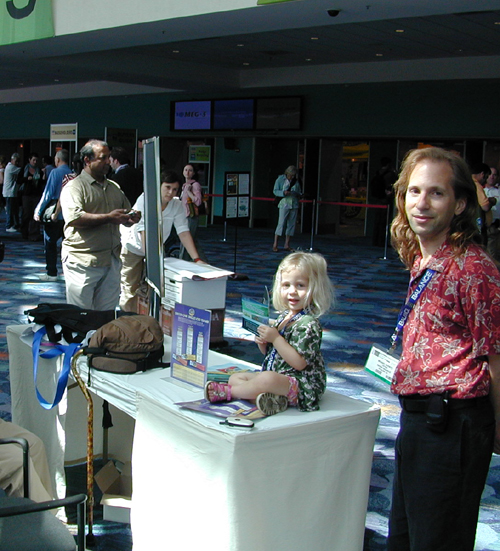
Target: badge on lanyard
{"x": 381, "y": 362}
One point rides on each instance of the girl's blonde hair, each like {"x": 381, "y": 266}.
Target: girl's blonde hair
{"x": 320, "y": 294}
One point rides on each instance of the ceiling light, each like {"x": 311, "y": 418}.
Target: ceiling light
{"x": 379, "y": 55}
{"x": 240, "y": 45}
{"x": 245, "y": 63}
{"x": 175, "y": 51}
{"x": 308, "y": 59}
{"x": 400, "y": 30}
{"x": 314, "y": 38}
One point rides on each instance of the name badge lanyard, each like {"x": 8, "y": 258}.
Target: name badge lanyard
{"x": 408, "y": 307}
{"x": 268, "y": 365}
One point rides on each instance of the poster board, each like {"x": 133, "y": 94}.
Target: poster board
{"x": 237, "y": 195}
{"x": 190, "y": 340}
{"x": 152, "y": 216}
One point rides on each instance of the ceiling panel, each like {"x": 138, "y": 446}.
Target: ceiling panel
{"x": 215, "y": 61}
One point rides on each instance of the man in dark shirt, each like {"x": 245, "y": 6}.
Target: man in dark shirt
{"x": 129, "y": 179}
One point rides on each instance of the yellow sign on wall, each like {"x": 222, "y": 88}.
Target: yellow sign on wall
{"x": 199, "y": 153}
{"x": 64, "y": 132}
{"x": 24, "y": 20}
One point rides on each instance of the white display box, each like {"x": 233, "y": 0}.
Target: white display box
{"x": 116, "y": 486}
{"x": 199, "y": 285}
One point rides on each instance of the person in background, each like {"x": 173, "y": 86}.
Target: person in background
{"x": 191, "y": 197}
{"x": 287, "y": 186}
{"x": 129, "y": 179}
{"x": 93, "y": 208}
{"x": 492, "y": 191}
{"x": 293, "y": 371}
{"x": 133, "y": 242}
{"x": 3, "y": 163}
{"x": 47, "y": 167}
{"x": 76, "y": 166}
{"x": 10, "y": 190}
{"x": 448, "y": 376}
{"x": 480, "y": 173}
{"x": 11, "y": 465}
{"x": 30, "y": 192}
{"x": 382, "y": 193}
{"x": 53, "y": 230}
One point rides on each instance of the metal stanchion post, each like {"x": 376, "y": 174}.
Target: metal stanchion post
{"x": 225, "y": 232}
{"x": 386, "y": 232}
{"x": 312, "y": 224}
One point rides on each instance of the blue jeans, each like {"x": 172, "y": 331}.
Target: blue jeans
{"x": 52, "y": 233}
{"x": 12, "y": 212}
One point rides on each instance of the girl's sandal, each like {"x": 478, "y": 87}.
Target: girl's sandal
{"x": 220, "y": 392}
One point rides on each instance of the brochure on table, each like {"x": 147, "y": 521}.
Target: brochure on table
{"x": 254, "y": 314}
{"x": 181, "y": 269}
{"x": 190, "y": 343}
{"x": 235, "y": 408}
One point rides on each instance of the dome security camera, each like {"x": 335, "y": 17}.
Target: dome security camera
{"x": 333, "y": 13}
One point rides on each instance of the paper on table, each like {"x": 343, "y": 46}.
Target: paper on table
{"x": 193, "y": 270}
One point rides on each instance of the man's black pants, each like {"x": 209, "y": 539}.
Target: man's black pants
{"x": 439, "y": 479}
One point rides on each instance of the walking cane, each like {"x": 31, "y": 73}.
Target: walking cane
{"x": 90, "y": 448}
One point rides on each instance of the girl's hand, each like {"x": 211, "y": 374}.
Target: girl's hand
{"x": 261, "y": 344}
{"x": 284, "y": 349}
{"x": 267, "y": 334}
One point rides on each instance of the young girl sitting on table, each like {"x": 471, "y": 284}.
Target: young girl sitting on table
{"x": 293, "y": 371}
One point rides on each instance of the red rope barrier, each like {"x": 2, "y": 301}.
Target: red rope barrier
{"x": 362, "y": 205}
{"x": 335, "y": 203}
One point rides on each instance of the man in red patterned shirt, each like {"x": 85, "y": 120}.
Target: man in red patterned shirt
{"x": 448, "y": 376}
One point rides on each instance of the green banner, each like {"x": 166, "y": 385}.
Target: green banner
{"x": 264, "y": 2}
{"x": 24, "y": 20}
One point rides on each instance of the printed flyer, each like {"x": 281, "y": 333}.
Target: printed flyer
{"x": 190, "y": 344}
{"x": 254, "y": 314}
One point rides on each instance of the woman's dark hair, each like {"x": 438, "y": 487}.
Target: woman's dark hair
{"x": 169, "y": 177}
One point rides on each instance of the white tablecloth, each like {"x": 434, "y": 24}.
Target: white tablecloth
{"x": 297, "y": 481}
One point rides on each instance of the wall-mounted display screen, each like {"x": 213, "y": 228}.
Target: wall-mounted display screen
{"x": 192, "y": 115}
{"x": 278, "y": 113}
{"x": 233, "y": 114}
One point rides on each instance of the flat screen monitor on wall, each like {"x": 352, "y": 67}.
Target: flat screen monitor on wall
{"x": 192, "y": 115}
{"x": 278, "y": 113}
{"x": 233, "y": 114}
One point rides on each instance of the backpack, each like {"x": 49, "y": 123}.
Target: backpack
{"x": 126, "y": 345}
{"x": 74, "y": 322}
{"x": 62, "y": 320}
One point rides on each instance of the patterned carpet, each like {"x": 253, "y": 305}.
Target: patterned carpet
{"x": 370, "y": 290}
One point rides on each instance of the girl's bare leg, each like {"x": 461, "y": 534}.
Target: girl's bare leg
{"x": 247, "y": 386}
